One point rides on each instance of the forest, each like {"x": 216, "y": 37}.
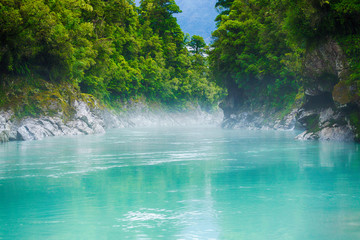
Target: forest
{"x": 112, "y": 50}
{"x": 116, "y": 51}
{"x": 261, "y": 47}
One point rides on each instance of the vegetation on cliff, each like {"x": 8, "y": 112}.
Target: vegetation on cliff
{"x": 260, "y": 47}
{"x": 110, "y": 49}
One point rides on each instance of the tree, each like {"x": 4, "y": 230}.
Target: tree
{"x": 197, "y": 43}
{"x": 223, "y": 7}
{"x": 160, "y": 15}
{"x": 250, "y": 53}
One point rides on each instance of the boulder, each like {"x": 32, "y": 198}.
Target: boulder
{"x": 306, "y": 135}
{"x": 5, "y": 125}
{"x": 339, "y": 133}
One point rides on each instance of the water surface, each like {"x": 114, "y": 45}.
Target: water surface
{"x": 175, "y": 183}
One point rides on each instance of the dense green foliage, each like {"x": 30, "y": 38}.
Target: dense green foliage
{"x": 110, "y": 49}
{"x": 260, "y": 44}
{"x": 250, "y": 53}
{"x": 312, "y": 22}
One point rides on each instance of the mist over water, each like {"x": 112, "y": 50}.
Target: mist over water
{"x": 180, "y": 183}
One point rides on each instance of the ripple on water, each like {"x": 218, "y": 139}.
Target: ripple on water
{"x": 214, "y": 184}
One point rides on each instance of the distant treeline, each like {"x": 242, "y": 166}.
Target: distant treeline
{"x": 109, "y": 48}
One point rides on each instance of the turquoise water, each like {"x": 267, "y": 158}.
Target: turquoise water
{"x": 180, "y": 184}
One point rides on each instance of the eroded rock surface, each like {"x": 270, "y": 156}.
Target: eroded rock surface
{"x": 83, "y": 122}
{"x": 325, "y": 113}
{"x": 260, "y": 120}
{"x": 5, "y": 125}
{"x": 87, "y": 120}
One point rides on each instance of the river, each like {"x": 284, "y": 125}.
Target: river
{"x": 180, "y": 183}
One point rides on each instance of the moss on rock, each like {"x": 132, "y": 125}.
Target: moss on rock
{"x": 342, "y": 93}
{"x": 42, "y": 98}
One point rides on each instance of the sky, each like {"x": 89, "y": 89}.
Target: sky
{"x": 197, "y": 17}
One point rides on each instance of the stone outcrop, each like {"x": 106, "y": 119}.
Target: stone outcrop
{"x": 328, "y": 101}
{"x": 83, "y": 122}
{"x": 5, "y": 125}
{"x": 94, "y": 120}
{"x": 325, "y": 124}
{"x": 260, "y": 120}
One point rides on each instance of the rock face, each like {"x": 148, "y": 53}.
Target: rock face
{"x": 260, "y": 120}
{"x": 87, "y": 120}
{"x": 325, "y": 124}
{"x": 328, "y": 104}
{"x": 83, "y": 122}
{"x": 325, "y": 113}
{"x": 5, "y": 125}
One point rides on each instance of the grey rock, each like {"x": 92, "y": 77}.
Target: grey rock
{"x": 111, "y": 120}
{"x": 328, "y": 59}
{"x": 79, "y": 127}
{"x": 323, "y": 118}
{"x": 257, "y": 120}
{"x": 36, "y": 128}
{"x": 13, "y": 133}
{"x": 5, "y": 125}
{"x": 85, "y": 121}
{"x": 288, "y": 122}
{"x": 4, "y": 136}
{"x": 6, "y": 115}
{"x": 85, "y": 115}
{"x": 94, "y": 121}
{"x": 303, "y": 116}
{"x": 51, "y": 125}
{"x": 339, "y": 133}
{"x": 307, "y": 136}
{"x": 326, "y": 115}
{"x": 32, "y": 131}
{"x": 325, "y": 124}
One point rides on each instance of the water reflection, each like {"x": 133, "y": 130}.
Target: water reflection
{"x": 179, "y": 184}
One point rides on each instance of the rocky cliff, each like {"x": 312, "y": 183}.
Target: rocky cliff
{"x": 328, "y": 110}
{"x": 329, "y": 101}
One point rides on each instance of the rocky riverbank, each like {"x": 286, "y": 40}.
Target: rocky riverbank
{"x": 322, "y": 124}
{"x": 88, "y": 119}
{"x": 327, "y": 109}
{"x": 260, "y": 120}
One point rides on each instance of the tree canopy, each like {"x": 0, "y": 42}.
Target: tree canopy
{"x": 197, "y": 43}
{"x": 259, "y": 45}
{"x": 250, "y": 52}
{"x": 109, "y": 48}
